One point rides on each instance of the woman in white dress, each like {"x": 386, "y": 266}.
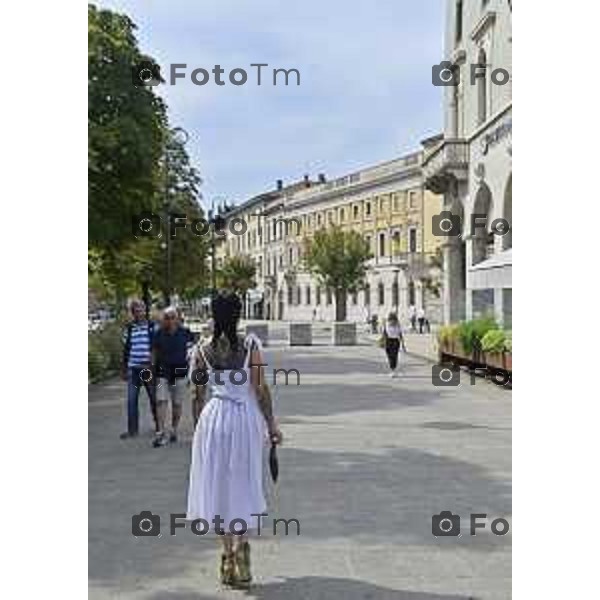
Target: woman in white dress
{"x": 235, "y": 429}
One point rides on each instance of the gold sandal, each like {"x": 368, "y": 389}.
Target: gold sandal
{"x": 242, "y": 561}
{"x": 227, "y": 571}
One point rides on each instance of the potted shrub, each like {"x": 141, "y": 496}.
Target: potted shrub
{"x": 493, "y": 345}
{"x": 447, "y": 338}
{"x": 508, "y": 351}
{"x": 471, "y": 333}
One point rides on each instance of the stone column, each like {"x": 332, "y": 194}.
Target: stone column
{"x": 452, "y": 292}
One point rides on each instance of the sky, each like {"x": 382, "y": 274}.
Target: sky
{"x": 365, "y": 93}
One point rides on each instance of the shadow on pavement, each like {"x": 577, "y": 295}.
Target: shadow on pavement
{"x": 316, "y": 588}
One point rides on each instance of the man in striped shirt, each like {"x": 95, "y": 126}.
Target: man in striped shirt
{"x": 137, "y": 365}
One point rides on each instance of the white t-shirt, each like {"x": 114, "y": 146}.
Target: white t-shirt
{"x": 393, "y": 331}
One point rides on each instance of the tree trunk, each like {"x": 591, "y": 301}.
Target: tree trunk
{"x": 340, "y": 304}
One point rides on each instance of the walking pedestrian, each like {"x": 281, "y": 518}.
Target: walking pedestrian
{"x": 170, "y": 347}
{"x": 393, "y": 341}
{"x": 229, "y": 445}
{"x": 412, "y": 317}
{"x": 195, "y": 363}
{"x": 136, "y": 368}
{"x": 421, "y": 319}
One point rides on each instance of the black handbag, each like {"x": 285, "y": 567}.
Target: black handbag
{"x": 274, "y": 463}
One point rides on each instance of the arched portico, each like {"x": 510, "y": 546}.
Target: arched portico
{"x": 479, "y": 226}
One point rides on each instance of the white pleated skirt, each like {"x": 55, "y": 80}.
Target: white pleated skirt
{"x": 228, "y": 458}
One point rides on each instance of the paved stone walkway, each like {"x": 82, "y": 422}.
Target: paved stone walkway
{"x": 367, "y": 461}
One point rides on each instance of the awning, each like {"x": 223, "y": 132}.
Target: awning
{"x": 493, "y": 272}
{"x": 502, "y": 259}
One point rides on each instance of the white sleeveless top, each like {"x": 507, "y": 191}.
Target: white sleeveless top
{"x": 393, "y": 331}
{"x": 232, "y": 385}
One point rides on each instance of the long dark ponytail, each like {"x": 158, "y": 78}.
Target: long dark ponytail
{"x": 226, "y": 311}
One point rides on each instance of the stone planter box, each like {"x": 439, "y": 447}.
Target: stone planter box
{"x": 260, "y": 330}
{"x": 454, "y": 352}
{"x": 494, "y": 359}
{"x": 300, "y": 334}
{"x": 344, "y": 334}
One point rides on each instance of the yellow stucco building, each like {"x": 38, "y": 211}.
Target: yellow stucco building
{"x": 387, "y": 203}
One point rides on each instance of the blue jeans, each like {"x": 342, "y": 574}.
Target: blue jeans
{"x": 136, "y": 379}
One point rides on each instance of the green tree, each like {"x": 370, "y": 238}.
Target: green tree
{"x": 338, "y": 259}
{"x": 126, "y": 131}
{"x": 135, "y": 166}
{"x": 238, "y": 274}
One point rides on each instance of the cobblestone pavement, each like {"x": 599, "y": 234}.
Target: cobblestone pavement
{"x": 367, "y": 461}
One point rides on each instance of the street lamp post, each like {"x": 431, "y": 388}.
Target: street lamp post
{"x": 179, "y": 136}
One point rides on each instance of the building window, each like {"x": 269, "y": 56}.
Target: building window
{"x": 412, "y": 243}
{"x": 368, "y": 242}
{"x": 481, "y": 88}
{"x": 413, "y": 199}
{"x": 355, "y": 212}
{"x": 319, "y": 220}
{"x": 291, "y": 256}
{"x": 299, "y": 295}
{"x": 396, "y": 203}
{"x": 290, "y": 298}
{"x": 382, "y": 244}
{"x": 274, "y": 230}
{"x": 328, "y": 297}
{"x": 395, "y": 295}
{"x": 355, "y": 298}
{"x": 281, "y": 261}
{"x": 342, "y": 215}
{"x": 458, "y": 26}
{"x": 368, "y": 209}
{"x": 308, "y": 294}
{"x": 396, "y": 243}
{"x": 381, "y": 293}
{"x": 367, "y": 293}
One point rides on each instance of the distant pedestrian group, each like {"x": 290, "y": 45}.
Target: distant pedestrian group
{"x": 417, "y": 316}
{"x": 155, "y": 357}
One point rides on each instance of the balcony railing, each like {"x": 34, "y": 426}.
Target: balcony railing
{"x": 449, "y": 159}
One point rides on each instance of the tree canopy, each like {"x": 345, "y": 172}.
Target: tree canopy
{"x": 338, "y": 259}
{"x": 238, "y": 274}
{"x": 134, "y": 166}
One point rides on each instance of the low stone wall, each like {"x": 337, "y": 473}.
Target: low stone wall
{"x": 300, "y": 334}
{"x": 344, "y": 334}
{"x": 260, "y": 330}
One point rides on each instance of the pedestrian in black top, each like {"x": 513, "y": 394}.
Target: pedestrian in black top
{"x": 170, "y": 346}
{"x": 393, "y": 342}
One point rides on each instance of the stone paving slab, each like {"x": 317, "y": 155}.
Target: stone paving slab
{"x": 366, "y": 463}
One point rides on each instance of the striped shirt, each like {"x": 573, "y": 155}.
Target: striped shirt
{"x": 140, "y": 345}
